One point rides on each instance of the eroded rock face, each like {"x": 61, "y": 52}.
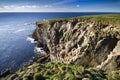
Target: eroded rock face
{"x": 113, "y": 59}
{"x": 79, "y": 42}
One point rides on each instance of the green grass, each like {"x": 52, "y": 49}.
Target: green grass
{"x": 104, "y": 19}
{"x": 58, "y": 71}
{"x": 38, "y": 76}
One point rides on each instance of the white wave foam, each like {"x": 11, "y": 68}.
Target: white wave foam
{"x": 39, "y": 51}
{"x": 6, "y": 29}
{"x": 27, "y": 24}
{"x": 31, "y": 40}
{"x": 19, "y": 30}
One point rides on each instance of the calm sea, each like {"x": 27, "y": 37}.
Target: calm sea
{"x": 15, "y": 50}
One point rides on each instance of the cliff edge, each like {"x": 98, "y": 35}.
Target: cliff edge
{"x": 79, "y": 48}
{"x": 89, "y": 41}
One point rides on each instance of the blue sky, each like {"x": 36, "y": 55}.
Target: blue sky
{"x": 59, "y": 5}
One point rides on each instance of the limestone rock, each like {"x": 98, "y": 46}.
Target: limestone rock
{"x": 75, "y": 41}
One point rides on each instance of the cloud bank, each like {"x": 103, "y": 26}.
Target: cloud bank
{"x": 48, "y": 8}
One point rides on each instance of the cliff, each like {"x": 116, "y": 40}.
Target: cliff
{"x": 79, "y": 48}
{"x": 89, "y": 41}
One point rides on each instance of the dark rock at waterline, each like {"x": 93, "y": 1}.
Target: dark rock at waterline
{"x": 42, "y": 59}
{"x": 5, "y": 73}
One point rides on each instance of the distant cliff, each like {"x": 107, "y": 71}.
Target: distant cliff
{"x": 92, "y": 41}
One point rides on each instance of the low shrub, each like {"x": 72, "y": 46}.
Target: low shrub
{"x": 38, "y": 76}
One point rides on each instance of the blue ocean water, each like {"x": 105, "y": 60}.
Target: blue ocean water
{"x": 15, "y": 50}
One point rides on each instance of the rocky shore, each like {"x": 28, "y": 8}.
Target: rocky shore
{"x": 79, "y": 48}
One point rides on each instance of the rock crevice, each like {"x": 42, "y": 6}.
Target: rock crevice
{"x": 75, "y": 41}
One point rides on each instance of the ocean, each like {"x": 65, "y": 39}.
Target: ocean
{"x": 15, "y": 32}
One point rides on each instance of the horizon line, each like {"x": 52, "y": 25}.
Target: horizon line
{"x": 62, "y": 12}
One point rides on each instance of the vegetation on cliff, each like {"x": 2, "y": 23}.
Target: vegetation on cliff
{"x": 100, "y": 22}
{"x": 58, "y": 71}
{"x": 74, "y": 39}
{"x": 113, "y": 19}
{"x": 79, "y": 48}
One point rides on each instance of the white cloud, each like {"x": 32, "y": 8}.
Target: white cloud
{"x": 17, "y": 7}
{"x": 47, "y": 6}
{"x": 25, "y": 8}
{"x": 63, "y": 2}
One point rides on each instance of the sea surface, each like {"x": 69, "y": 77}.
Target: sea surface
{"x": 15, "y": 30}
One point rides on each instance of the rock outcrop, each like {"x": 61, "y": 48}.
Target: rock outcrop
{"x": 81, "y": 41}
{"x": 82, "y": 48}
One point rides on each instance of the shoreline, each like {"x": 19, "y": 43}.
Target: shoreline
{"x": 74, "y": 48}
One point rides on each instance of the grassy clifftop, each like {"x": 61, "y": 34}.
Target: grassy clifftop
{"x": 104, "y": 19}
{"x": 100, "y": 22}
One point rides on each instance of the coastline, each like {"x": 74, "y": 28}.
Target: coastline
{"x": 46, "y": 62}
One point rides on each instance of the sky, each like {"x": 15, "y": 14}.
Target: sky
{"x": 59, "y": 5}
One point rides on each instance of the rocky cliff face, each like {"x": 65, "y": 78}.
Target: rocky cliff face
{"x": 79, "y": 41}
{"x": 92, "y": 42}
